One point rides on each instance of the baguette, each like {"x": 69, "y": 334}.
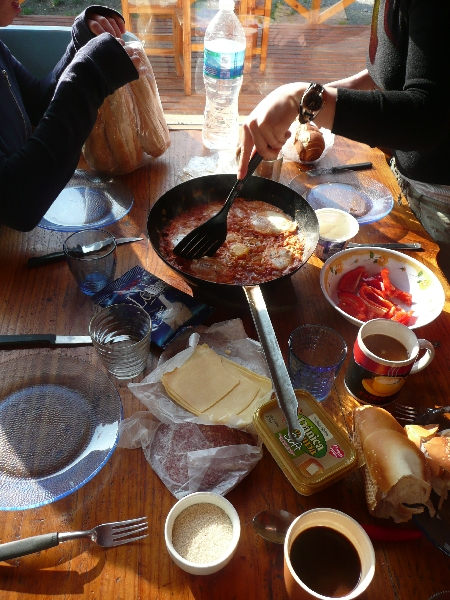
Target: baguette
{"x": 395, "y": 473}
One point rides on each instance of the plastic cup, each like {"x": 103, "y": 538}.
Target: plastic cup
{"x": 336, "y": 229}
{"x": 121, "y": 336}
{"x": 316, "y": 354}
{"x": 91, "y": 258}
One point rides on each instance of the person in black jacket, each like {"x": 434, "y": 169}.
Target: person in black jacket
{"x": 44, "y": 123}
{"x": 399, "y": 102}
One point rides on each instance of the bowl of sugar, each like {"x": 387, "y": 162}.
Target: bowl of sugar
{"x": 202, "y": 532}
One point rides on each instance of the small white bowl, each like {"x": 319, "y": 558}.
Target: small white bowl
{"x": 406, "y": 273}
{"x": 199, "y": 498}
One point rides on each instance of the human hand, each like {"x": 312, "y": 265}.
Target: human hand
{"x": 99, "y": 24}
{"x": 135, "y": 58}
{"x": 267, "y": 127}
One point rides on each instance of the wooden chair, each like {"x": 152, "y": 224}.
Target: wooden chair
{"x": 156, "y": 9}
{"x": 254, "y": 18}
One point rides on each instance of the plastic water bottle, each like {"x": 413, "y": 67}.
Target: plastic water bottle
{"x": 222, "y": 73}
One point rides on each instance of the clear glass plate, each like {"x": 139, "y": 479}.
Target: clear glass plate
{"x": 59, "y": 420}
{"x": 89, "y": 201}
{"x": 364, "y": 198}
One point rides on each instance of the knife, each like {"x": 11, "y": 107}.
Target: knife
{"x": 44, "y": 339}
{"x": 37, "y": 261}
{"x": 390, "y": 246}
{"x": 339, "y": 168}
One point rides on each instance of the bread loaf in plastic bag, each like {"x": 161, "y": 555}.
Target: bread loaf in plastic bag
{"x": 130, "y": 128}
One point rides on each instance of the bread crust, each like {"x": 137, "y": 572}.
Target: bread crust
{"x": 395, "y": 470}
{"x": 309, "y": 142}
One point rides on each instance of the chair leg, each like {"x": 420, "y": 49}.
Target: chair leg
{"x": 177, "y": 45}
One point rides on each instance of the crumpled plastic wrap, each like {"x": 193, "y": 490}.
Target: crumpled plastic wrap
{"x": 189, "y": 453}
{"x": 218, "y": 163}
{"x": 130, "y": 128}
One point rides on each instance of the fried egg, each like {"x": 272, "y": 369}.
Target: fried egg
{"x": 207, "y": 268}
{"x": 278, "y": 258}
{"x": 269, "y": 222}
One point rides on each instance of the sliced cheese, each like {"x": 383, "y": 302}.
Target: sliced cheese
{"x": 201, "y": 381}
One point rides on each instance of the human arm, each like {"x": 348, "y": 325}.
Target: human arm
{"x": 32, "y": 176}
{"x": 267, "y": 127}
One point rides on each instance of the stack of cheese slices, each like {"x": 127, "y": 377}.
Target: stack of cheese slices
{"x": 213, "y": 386}
{"x": 395, "y": 472}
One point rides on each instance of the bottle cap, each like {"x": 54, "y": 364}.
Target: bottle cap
{"x": 226, "y": 4}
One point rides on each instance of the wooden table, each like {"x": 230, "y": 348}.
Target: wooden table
{"x": 47, "y": 300}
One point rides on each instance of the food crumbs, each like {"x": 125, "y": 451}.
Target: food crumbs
{"x": 202, "y": 533}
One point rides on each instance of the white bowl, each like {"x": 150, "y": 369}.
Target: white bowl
{"x": 406, "y": 273}
{"x": 199, "y": 498}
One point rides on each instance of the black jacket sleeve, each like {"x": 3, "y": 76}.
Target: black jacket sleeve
{"x": 34, "y": 174}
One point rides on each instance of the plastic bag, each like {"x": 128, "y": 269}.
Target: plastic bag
{"x": 188, "y": 453}
{"x": 170, "y": 309}
{"x": 130, "y": 128}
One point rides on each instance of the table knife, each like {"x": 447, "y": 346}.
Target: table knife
{"x": 389, "y": 246}
{"x": 44, "y": 339}
{"x": 339, "y": 168}
{"x": 37, "y": 261}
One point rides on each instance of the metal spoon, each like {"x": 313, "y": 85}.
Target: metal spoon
{"x": 273, "y": 525}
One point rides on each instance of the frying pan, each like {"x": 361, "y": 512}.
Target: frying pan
{"x": 211, "y": 188}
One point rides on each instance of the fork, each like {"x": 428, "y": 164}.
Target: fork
{"x": 412, "y": 414}
{"x": 106, "y": 535}
{"x": 207, "y": 238}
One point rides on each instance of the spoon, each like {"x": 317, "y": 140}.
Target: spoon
{"x": 273, "y": 525}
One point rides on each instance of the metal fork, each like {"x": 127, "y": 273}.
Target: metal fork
{"x": 106, "y": 535}
{"x": 207, "y": 238}
{"x": 412, "y": 414}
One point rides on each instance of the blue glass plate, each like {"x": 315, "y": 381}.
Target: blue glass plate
{"x": 60, "y": 420}
{"x": 364, "y": 198}
{"x": 89, "y": 201}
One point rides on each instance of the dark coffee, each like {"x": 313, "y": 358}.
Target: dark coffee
{"x": 385, "y": 346}
{"x": 326, "y": 561}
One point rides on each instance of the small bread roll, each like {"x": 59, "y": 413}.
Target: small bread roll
{"x": 309, "y": 142}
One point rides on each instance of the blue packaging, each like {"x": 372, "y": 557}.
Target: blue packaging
{"x": 171, "y": 310}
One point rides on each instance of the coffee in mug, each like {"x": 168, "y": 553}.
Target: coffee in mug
{"x": 384, "y": 354}
{"x": 327, "y": 554}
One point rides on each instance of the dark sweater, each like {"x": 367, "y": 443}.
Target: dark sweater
{"x": 36, "y": 166}
{"x": 408, "y": 59}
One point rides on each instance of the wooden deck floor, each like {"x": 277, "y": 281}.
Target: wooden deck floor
{"x": 296, "y": 52}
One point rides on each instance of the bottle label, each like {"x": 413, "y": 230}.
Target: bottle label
{"x": 223, "y": 65}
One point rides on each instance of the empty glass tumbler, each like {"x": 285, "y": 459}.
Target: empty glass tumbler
{"x": 316, "y": 354}
{"x": 91, "y": 257}
{"x": 121, "y": 336}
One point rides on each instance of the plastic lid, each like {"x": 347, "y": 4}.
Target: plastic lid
{"x": 226, "y": 5}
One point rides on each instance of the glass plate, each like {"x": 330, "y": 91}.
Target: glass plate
{"x": 59, "y": 425}
{"x": 364, "y": 198}
{"x": 89, "y": 201}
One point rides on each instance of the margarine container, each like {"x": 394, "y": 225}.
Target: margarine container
{"x": 336, "y": 229}
{"x": 324, "y": 456}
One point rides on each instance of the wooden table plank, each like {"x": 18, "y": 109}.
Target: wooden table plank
{"x": 47, "y": 299}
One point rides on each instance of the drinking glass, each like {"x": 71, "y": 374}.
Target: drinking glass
{"x": 121, "y": 336}
{"x": 316, "y": 354}
{"x": 91, "y": 258}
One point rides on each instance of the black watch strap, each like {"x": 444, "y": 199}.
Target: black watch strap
{"x": 312, "y": 103}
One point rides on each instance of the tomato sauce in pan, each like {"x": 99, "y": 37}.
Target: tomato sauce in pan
{"x": 263, "y": 243}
